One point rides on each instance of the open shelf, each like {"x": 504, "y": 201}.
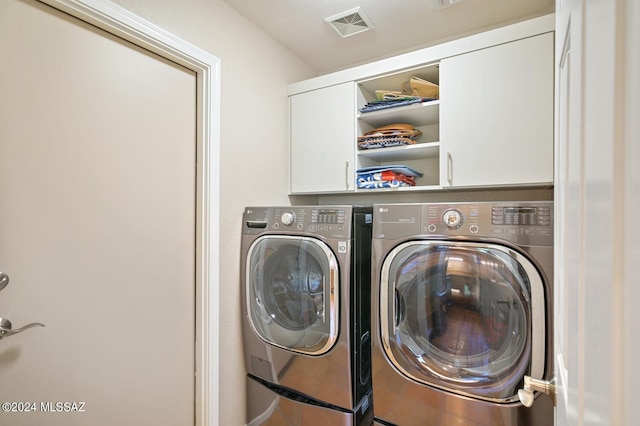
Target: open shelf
{"x": 402, "y": 153}
{"x": 401, "y": 189}
{"x": 421, "y": 114}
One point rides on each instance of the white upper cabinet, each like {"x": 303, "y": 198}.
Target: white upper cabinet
{"x": 496, "y": 115}
{"x": 491, "y": 124}
{"x": 322, "y": 140}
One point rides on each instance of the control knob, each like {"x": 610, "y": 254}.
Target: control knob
{"x": 452, "y": 218}
{"x": 288, "y": 218}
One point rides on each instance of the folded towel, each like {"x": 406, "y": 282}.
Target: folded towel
{"x": 399, "y": 168}
{"x": 384, "y": 179}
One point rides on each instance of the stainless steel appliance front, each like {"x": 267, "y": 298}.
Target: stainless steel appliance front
{"x": 306, "y": 314}
{"x": 462, "y": 311}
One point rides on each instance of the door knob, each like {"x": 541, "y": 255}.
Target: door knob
{"x": 530, "y": 384}
{"x": 6, "y": 329}
{"x": 4, "y": 280}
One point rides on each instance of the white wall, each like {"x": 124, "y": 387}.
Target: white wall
{"x": 254, "y": 146}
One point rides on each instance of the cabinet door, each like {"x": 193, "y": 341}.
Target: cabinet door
{"x": 496, "y": 115}
{"x": 323, "y": 139}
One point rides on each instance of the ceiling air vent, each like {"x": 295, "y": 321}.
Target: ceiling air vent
{"x": 441, "y": 4}
{"x": 350, "y": 22}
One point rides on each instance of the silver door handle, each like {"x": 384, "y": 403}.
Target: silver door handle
{"x": 530, "y": 384}
{"x": 4, "y": 280}
{"x": 6, "y": 329}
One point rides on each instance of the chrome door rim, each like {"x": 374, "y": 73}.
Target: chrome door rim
{"x": 332, "y": 313}
{"x": 536, "y": 345}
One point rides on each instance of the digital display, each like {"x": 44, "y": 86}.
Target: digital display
{"x": 521, "y": 216}
{"x": 520, "y": 210}
{"x": 328, "y": 211}
{"x": 327, "y": 216}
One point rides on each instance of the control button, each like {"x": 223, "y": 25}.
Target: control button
{"x": 473, "y": 229}
{"x": 300, "y": 226}
{"x": 452, "y": 218}
{"x": 287, "y": 218}
{"x": 431, "y": 228}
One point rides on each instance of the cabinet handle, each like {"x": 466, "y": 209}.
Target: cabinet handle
{"x": 346, "y": 174}
{"x": 449, "y": 168}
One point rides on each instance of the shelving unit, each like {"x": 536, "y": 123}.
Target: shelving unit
{"x": 425, "y": 116}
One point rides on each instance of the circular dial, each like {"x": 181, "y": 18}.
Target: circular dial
{"x": 452, "y": 218}
{"x": 288, "y": 218}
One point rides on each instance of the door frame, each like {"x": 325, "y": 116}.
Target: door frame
{"x": 125, "y": 25}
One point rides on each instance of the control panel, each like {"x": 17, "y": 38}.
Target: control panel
{"x": 527, "y": 223}
{"x": 332, "y": 222}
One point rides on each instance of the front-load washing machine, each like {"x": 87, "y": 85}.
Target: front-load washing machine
{"x": 305, "y": 279}
{"x": 462, "y": 312}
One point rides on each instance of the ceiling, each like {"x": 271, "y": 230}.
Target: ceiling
{"x": 398, "y": 25}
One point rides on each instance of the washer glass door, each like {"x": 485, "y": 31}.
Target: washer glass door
{"x": 292, "y": 285}
{"x": 459, "y": 316}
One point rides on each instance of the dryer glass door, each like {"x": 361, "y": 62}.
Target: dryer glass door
{"x": 292, "y": 287}
{"x": 458, "y": 316}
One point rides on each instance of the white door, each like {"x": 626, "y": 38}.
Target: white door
{"x": 97, "y": 226}
{"x": 323, "y": 154}
{"x": 496, "y": 115}
{"x": 597, "y": 199}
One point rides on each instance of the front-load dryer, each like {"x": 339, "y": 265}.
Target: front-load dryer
{"x": 462, "y": 312}
{"x": 305, "y": 280}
